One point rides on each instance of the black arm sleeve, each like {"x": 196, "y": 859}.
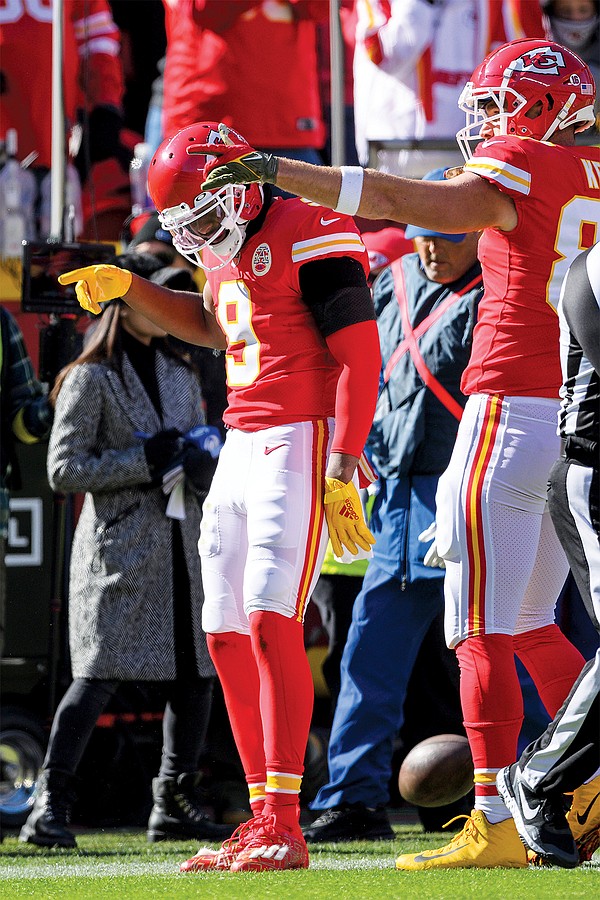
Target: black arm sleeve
{"x": 337, "y": 293}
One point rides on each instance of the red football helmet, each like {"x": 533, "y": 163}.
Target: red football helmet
{"x": 198, "y": 219}
{"x": 518, "y": 76}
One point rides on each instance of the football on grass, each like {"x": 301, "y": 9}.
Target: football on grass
{"x": 436, "y": 772}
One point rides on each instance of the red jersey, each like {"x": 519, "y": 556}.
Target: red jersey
{"x": 279, "y": 369}
{"x": 556, "y": 191}
{"x": 247, "y": 63}
{"x": 90, "y": 36}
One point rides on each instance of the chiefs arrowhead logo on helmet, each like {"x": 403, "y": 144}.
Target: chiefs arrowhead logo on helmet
{"x": 543, "y": 60}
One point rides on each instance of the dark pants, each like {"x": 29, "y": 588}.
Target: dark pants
{"x": 388, "y": 627}
{"x": 568, "y": 752}
{"x": 334, "y": 597}
{"x": 185, "y": 723}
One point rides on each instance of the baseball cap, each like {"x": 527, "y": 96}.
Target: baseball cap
{"x": 176, "y": 278}
{"x": 413, "y": 231}
{"x": 385, "y": 245}
{"x": 148, "y": 228}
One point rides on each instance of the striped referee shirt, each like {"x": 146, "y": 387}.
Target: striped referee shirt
{"x": 579, "y": 316}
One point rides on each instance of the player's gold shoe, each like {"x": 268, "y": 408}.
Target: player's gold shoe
{"x": 478, "y": 845}
{"x": 584, "y": 818}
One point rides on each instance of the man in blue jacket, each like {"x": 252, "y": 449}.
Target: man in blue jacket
{"x": 426, "y": 305}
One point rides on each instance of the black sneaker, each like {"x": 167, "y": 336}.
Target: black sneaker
{"x": 541, "y": 823}
{"x": 351, "y": 822}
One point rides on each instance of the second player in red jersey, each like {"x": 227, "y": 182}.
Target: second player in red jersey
{"x": 555, "y": 193}
{"x": 536, "y": 197}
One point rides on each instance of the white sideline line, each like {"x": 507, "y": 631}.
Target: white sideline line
{"x": 76, "y": 870}
{"x": 110, "y": 870}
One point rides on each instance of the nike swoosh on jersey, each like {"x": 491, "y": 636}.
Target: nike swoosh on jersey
{"x": 421, "y": 858}
{"x": 582, "y": 819}
{"x": 270, "y": 449}
{"x": 329, "y": 221}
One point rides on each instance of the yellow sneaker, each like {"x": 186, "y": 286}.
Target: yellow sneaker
{"x": 584, "y": 818}
{"x": 479, "y": 845}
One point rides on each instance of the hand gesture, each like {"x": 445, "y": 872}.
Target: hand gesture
{"x": 345, "y": 519}
{"x": 236, "y": 163}
{"x": 163, "y": 451}
{"x": 97, "y": 284}
{"x": 432, "y": 558}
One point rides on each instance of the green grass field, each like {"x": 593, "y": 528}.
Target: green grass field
{"x": 121, "y": 864}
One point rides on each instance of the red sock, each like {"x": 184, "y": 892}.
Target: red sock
{"x": 492, "y": 705}
{"x": 234, "y": 661}
{"x": 286, "y": 703}
{"x": 256, "y": 790}
{"x": 552, "y": 661}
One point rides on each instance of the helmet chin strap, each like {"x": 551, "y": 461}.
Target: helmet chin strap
{"x": 562, "y": 115}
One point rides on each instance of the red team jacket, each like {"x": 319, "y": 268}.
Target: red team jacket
{"x": 556, "y": 191}
{"x": 247, "y": 63}
{"x": 279, "y": 369}
{"x": 90, "y": 34}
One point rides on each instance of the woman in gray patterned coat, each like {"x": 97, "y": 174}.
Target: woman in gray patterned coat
{"x": 135, "y": 594}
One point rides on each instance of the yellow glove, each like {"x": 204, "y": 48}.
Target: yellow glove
{"x": 97, "y": 284}
{"x": 345, "y": 519}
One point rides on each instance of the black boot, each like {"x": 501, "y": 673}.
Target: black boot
{"x": 48, "y": 820}
{"x": 176, "y": 813}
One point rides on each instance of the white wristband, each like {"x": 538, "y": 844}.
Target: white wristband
{"x": 351, "y": 190}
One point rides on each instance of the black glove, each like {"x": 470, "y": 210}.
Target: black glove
{"x": 163, "y": 451}
{"x": 199, "y": 467}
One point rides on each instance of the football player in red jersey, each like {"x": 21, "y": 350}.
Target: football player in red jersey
{"x": 91, "y": 69}
{"x": 536, "y": 196}
{"x": 287, "y": 299}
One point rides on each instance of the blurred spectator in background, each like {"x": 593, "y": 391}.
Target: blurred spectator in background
{"x": 248, "y": 63}
{"x": 93, "y": 94}
{"x": 347, "y": 17}
{"x": 576, "y": 24}
{"x": 411, "y": 61}
{"x": 385, "y": 246}
{"x": 144, "y": 234}
{"x": 153, "y": 129}
{"x": 135, "y": 591}
{"x": 141, "y": 49}
{"x": 25, "y": 416}
{"x": 426, "y": 305}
